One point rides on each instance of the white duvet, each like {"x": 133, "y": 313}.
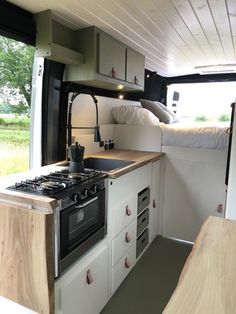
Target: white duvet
{"x": 179, "y": 134}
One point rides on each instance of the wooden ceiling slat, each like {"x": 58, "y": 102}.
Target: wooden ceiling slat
{"x": 220, "y": 15}
{"x": 192, "y": 23}
{"x": 168, "y": 10}
{"x": 232, "y": 18}
{"x": 155, "y": 32}
{"x": 204, "y": 16}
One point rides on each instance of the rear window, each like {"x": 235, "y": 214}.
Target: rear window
{"x": 208, "y": 103}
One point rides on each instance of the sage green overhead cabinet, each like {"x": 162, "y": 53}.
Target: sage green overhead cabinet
{"x": 54, "y": 40}
{"x": 135, "y": 67}
{"x": 108, "y": 63}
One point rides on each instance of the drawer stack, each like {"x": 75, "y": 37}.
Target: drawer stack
{"x": 122, "y": 210}
{"x": 123, "y": 240}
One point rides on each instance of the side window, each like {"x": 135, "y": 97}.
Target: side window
{"x": 207, "y": 103}
{"x": 16, "y": 65}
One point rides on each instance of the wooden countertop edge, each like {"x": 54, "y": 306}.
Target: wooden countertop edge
{"x": 201, "y": 244}
{"x": 43, "y": 203}
{"x": 124, "y": 154}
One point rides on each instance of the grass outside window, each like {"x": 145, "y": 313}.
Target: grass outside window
{"x": 14, "y": 144}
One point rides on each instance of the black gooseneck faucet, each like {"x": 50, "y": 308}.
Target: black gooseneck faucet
{"x": 97, "y": 136}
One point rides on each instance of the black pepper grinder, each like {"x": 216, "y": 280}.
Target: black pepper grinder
{"x": 76, "y": 156}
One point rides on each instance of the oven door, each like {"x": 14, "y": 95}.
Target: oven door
{"x": 81, "y": 226}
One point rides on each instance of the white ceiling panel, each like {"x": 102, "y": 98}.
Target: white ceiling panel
{"x": 174, "y": 35}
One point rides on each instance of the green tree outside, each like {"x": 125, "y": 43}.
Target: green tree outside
{"x": 16, "y": 67}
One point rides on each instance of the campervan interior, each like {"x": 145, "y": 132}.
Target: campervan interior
{"x": 139, "y": 96}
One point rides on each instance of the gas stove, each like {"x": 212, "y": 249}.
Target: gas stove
{"x": 61, "y": 183}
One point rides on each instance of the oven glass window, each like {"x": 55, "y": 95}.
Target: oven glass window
{"x": 82, "y": 220}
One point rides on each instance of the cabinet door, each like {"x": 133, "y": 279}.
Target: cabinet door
{"x": 123, "y": 267}
{"x": 155, "y": 204}
{"x": 135, "y": 67}
{"x": 84, "y": 289}
{"x": 111, "y": 57}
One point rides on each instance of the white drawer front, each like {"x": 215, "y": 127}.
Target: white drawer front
{"x": 83, "y": 290}
{"x": 132, "y": 182}
{"x": 124, "y": 241}
{"x": 123, "y": 214}
{"x": 123, "y": 267}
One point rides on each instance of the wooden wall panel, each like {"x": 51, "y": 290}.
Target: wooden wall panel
{"x": 26, "y": 257}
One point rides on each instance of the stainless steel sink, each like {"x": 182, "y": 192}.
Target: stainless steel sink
{"x": 105, "y": 164}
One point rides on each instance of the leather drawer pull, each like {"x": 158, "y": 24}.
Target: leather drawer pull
{"x": 154, "y": 204}
{"x": 89, "y": 277}
{"x": 128, "y": 210}
{"x": 127, "y": 237}
{"x": 127, "y": 263}
{"x": 113, "y": 73}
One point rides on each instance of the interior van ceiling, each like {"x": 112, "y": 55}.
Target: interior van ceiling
{"x": 175, "y": 35}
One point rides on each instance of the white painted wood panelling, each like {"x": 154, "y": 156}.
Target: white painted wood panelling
{"x": 174, "y": 35}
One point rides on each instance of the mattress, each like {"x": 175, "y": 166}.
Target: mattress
{"x": 196, "y": 136}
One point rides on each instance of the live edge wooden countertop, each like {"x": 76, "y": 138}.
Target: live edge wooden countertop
{"x": 140, "y": 158}
{"x": 207, "y": 284}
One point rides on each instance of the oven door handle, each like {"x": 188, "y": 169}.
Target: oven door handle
{"x": 87, "y": 203}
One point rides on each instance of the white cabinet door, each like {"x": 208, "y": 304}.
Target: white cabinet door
{"x": 155, "y": 202}
{"x": 194, "y": 189}
{"x": 111, "y": 57}
{"x": 231, "y": 191}
{"x": 84, "y": 288}
{"x": 124, "y": 213}
{"x": 135, "y": 67}
{"x": 123, "y": 267}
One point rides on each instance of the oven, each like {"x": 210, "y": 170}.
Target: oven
{"x": 80, "y": 222}
{"x": 80, "y": 217}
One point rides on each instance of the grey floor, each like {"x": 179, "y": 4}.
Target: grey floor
{"x": 148, "y": 287}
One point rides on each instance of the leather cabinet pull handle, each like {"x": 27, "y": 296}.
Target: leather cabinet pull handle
{"x": 89, "y": 277}
{"x": 127, "y": 263}
{"x": 127, "y": 237}
{"x": 113, "y": 73}
{"x": 128, "y": 210}
{"x": 154, "y": 204}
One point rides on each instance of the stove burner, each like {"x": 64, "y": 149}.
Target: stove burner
{"x": 57, "y": 182}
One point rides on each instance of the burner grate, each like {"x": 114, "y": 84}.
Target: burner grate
{"x": 56, "y": 182}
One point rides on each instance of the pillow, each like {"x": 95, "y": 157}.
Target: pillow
{"x": 159, "y": 110}
{"x": 176, "y": 119}
{"x": 134, "y": 115}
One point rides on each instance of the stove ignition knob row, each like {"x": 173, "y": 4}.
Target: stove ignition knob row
{"x": 86, "y": 192}
{"x": 77, "y": 197}
{"x": 95, "y": 188}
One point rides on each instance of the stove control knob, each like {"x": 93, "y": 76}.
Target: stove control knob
{"x": 77, "y": 197}
{"x": 95, "y": 188}
{"x": 86, "y": 192}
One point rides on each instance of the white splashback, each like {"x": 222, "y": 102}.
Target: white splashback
{"x": 83, "y": 114}
{"x": 86, "y": 140}
{"x": 83, "y": 110}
